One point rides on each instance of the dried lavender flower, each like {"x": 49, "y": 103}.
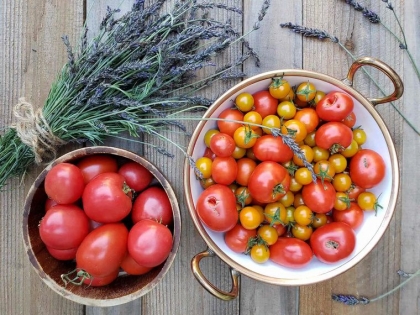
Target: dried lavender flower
{"x": 350, "y": 299}
{"x": 309, "y": 32}
{"x": 372, "y": 16}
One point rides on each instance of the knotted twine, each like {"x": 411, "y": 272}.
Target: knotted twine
{"x": 34, "y": 131}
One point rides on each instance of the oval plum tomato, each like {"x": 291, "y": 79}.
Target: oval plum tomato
{"x": 245, "y": 168}
{"x": 149, "y": 243}
{"x": 131, "y": 267}
{"x": 152, "y": 203}
{"x": 105, "y": 198}
{"x": 102, "y": 250}
{"x": 269, "y": 182}
{"x": 367, "y": 168}
{"x": 222, "y": 144}
{"x": 237, "y": 238}
{"x": 64, "y": 183}
{"x": 353, "y": 215}
{"x": 319, "y": 196}
{"x": 136, "y": 175}
{"x": 335, "y": 106}
{"x": 231, "y": 119}
{"x": 64, "y": 227}
{"x": 308, "y": 117}
{"x": 279, "y": 88}
{"x": 62, "y": 254}
{"x": 96, "y": 164}
{"x": 95, "y": 281}
{"x": 264, "y": 103}
{"x": 291, "y": 252}
{"x": 333, "y": 242}
{"x": 224, "y": 170}
{"x": 271, "y": 148}
{"x": 334, "y": 136}
{"x": 216, "y": 207}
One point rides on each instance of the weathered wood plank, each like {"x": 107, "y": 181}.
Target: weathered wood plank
{"x": 32, "y": 53}
{"x": 410, "y": 221}
{"x": 376, "y": 272}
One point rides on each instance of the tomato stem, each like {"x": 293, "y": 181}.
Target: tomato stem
{"x": 80, "y": 276}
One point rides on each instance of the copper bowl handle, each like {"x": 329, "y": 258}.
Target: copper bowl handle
{"x": 227, "y": 296}
{"x": 383, "y": 67}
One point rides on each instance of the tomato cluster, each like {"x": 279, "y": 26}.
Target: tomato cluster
{"x": 285, "y": 205}
{"x": 109, "y": 217}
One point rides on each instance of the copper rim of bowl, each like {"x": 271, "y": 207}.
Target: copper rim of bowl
{"x": 304, "y": 74}
{"x": 122, "y": 298}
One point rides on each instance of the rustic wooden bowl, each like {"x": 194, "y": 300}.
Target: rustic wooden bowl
{"x": 125, "y": 288}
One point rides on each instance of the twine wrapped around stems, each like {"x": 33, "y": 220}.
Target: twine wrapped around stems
{"x": 35, "y": 132}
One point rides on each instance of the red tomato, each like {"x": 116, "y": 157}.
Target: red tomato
{"x": 237, "y": 238}
{"x": 308, "y": 117}
{"x": 49, "y": 204}
{"x": 149, "y": 243}
{"x": 64, "y": 227}
{"x": 355, "y": 191}
{"x": 136, "y": 175}
{"x": 227, "y": 125}
{"x": 353, "y": 215}
{"x": 105, "y": 198}
{"x": 333, "y": 242}
{"x": 271, "y": 148}
{"x": 367, "y": 168}
{"x": 209, "y": 153}
{"x": 264, "y": 103}
{"x": 224, "y": 170}
{"x": 269, "y": 182}
{"x": 222, "y": 144}
{"x": 64, "y": 183}
{"x": 216, "y": 207}
{"x": 96, "y": 164}
{"x": 152, "y": 203}
{"x": 319, "y": 196}
{"x": 350, "y": 120}
{"x": 62, "y": 254}
{"x": 95, "y": 281}
{"x": 334, "y": 136}
{"x": 335, "y": 106}
{"x": 291, "y": 252}
{"x": 245, "y": 168}
{"x": 103, "y": 250}
{"x": 131, "y": 267}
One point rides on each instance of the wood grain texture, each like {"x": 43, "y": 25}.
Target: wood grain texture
{"x": 32, "y": 53}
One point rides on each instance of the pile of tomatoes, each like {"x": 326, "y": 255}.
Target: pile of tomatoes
{"x": 287, "y": 206}
{"x": 111, "y": 219}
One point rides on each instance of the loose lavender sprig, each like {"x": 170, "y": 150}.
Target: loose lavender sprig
{"x": 402, "y": 43}
{"x": 372, "y": 16}
{"x": 320, "y": 34}
{"x": 352, "y": 300}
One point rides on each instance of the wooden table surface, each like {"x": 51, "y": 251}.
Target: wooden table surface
{"x": 32, "y": 53}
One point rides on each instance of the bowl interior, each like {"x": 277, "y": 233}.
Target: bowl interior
{"x": 373, "y": 226}
{"x": 126, "y": 287}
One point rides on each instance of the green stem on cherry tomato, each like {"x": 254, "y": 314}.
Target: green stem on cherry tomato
{"x": 79, "y": 278}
